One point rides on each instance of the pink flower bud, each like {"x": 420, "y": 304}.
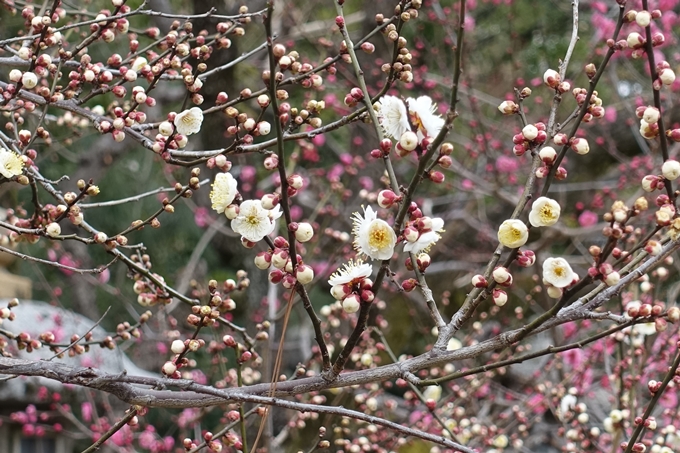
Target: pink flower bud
{"x": 478, "y": 281}
{"x": 635, "y": 40}
{"x": 368, "y": 47}
{"x": 387, "y": 198}
{"x": 658, "y": 38}
{"x": 423, "y": 261}
{"x": 356, "y": 93}
{"x": 296, "y": 181}
{"x": 367, "y": 295}
{"x": 501, "y": 275}
{"x": 276, "y": 276}
{"x": 500, "y": 297}
{"x": 263, "y": 260}
{"x": 271, "y": 162}
{"x": 649, "y": 183}
{"x": 436, "y": 177}
{"x": 551, "y": 78}
{"x": 409, "y": 285}
{"x": 526, "y": 258}
{"x": 304, "y": 274}
{"x": 519, "y": 150}
{"x": 580, "y": 145}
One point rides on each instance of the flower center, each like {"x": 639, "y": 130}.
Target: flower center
{"x": 560, "y": 271}
{"x": 515, "y": 233}
{"x": 546, "y": 213}
{"x": 378, "y": 236}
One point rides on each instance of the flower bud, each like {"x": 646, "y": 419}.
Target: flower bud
{"x": 612, "y": 278}
{"x": 304, "y": 274}
{"x": 671, "y": 169}
{"x": 643, "y": 18}
{"x": 500, "y": 297}
{"x": 408, "y": 141}
{"x": 29, "y": 80}
{"x": 508, "y": 107}
{"x": 263, "y": 260}
{"x": 651, "y": 115}
{"x": 351, "y": 303}
{"x": 409, "y": 284}
{"x": 552, "y": 78}
{"x": 635, "y": 40}
{"x": 53, "y": 229}
{"x": 339, "y": 292}
{"x": 530, "y": 132}
{"x": 501, "y": 275}
{"x": 580, "y": 145}
{"x": 169, "y": 368}
{"x": 478, "y": 281}
{"x": 548, "y": 154}
{"x": 177, "y": 347}
{"x": 667, "y": 76}
{"x": 387, "y": 198}
{"x": 304, "y": 232}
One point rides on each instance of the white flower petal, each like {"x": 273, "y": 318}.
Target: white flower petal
{"x": 393, "y": 116}
{"x": 224, "y": 189}
{"x": 557, "y": 272}
{"x": 373, "y": 237}
{"x": 352, "y": 270}
{"x": 253, "y": 221}
{"x": 423, "y": 116}
{"x": 544, "y": 212}
{"x": 10, "y": 163}
{"x": 189, "y": 121}
{"x": 513, "y": 233}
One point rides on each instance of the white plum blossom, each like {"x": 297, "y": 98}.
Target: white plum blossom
{"x": 557, "y": 272}
{"x": 422, "y": 111}
{"x": 53, "y": 229}
{"x": 352, "y": 272}
{"x": 454, "y": 344}
{"x": 138, "y": 64}
{"x": 393, "y": 116}
{"x": 432, "y": 392}
{"x": 426, "y": 239}
{"x": 373, "y": 237}
{"x": 10, "y": 163}
{"x": 224, "y": 190}
{"x": 189, "y": 121}
{"x": 544, "y": 212}
{"x": 513, "y": 233}
{"x": 254, "y": 222}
